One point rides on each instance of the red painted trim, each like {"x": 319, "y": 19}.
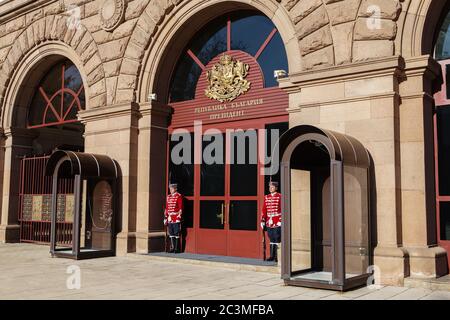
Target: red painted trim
{"x": 440, "y": 98}
{"x": 49, "y": 105}
{"x": 63, "y": 69}
{"x": 264, "y": 45}
{"x": 196, "y": 60}
{"x": 60, "y": 116}
{"x": 75, "y": 99}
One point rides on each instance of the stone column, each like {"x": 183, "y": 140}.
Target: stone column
{"x": 113, "y": 131}
{"x": 152, "y": 167}
{"x": 417, "y": 169}
{"x": 16, "y": 143}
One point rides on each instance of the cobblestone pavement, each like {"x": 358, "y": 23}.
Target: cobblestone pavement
{"x": 28, "y": 272}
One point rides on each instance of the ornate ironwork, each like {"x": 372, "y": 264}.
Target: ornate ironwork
{"x": 227, "y": 79}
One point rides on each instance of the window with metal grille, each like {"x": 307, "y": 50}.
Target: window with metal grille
{"x": 58, "y": 98}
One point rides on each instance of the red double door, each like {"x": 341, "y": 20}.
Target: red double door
{"x": 442, "y": 159}
{"x": 223, "y": 204}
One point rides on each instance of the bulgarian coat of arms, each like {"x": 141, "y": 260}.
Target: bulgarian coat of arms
{"x": 226, "y": 79}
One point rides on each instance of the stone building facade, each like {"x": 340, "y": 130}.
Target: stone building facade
{"x": 373, "y": 79}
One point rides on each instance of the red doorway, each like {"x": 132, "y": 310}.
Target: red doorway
{"x": 442, "y": 157}
{"x": 224, "y": 208}
{"x": 225, "y": 80}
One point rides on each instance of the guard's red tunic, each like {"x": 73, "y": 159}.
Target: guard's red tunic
{"x": 271, "y": 211}
{"x": 174, "y": 207}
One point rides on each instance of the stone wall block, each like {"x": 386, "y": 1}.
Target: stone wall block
{"x": 389, "y": 9}
{"x": 364, "y": 31}
{"x": 316, "y": 41}
{"x": 344, "y": 11}
{"x": 311, "y": 23}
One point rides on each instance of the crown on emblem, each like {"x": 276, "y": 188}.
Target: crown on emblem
{"x": 225, "y": 59}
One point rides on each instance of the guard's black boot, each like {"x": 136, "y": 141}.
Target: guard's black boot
{"x": 175, "y": 246}
{"x": 172, "y": 245}
{"x": 271, "y": 253}
{"x": 275, "y": 255}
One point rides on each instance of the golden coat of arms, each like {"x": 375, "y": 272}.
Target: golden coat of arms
{"x": 227, "y": 80}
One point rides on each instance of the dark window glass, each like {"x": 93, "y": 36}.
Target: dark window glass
{"x": 212, "y": 180}
{"x": 243, "y": 215}
{"x": 53, "y": 88}
{"x": 445, "y": 220}
{"x": 212, "y": 214}
{"x": 210, "y": 41}
{"x": 188, "y": 213}
{"x": 273, "y": 58}
{"x": 185, "y": 80}
{"x": 443, "y": 128}
{"x": 244, "y": 168}
{"x": 183, "y": 173}
{"x": 248, "y": 33}
{"x": 442, "y": 50}
{"x": 281, "y": 128}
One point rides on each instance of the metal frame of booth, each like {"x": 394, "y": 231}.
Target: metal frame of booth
{"x": 92, "y": 168}
{"x": 342, "y": 150}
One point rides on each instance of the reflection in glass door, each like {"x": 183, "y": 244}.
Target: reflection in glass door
{"x": 243, "y": 194}
{"x": 211, "y": 234}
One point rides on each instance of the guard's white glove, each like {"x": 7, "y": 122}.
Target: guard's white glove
{"x": 263, "y": 225}
{"x": 165, "y": 222}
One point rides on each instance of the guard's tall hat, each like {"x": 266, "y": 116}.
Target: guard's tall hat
{"x": 273, "y": 183}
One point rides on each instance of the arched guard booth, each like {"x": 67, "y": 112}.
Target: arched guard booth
{"x": 93, "y": 204}
{"x": 326, "y": 229}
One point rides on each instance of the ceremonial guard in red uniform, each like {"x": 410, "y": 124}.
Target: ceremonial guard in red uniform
{"x": 172, "y": 216}
{"x": 271, "y": 218}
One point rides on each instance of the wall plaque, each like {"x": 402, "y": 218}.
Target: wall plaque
{"x": 112, "y": 14}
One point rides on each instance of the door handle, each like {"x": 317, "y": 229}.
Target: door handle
{"x": 221, "y": 216}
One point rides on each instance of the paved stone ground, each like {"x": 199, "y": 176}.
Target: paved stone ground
{"x": 28, "y": 272}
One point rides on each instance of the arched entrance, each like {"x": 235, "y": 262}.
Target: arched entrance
{"x": 44, "y": 117}
{"x": 225, "y": 98}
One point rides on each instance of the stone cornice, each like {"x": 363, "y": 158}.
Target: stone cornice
{"x": 355, "y": 71}
{"x": 422, "y": 65}
{"x": 391, "y": 95}
{"x": 109, "y": 112}
{"x": 150, "y": 108}
{"x": 13, "y": 8}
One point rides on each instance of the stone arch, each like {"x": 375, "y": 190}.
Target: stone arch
{"x": 420, "y": 18}
{"x": 163, "y": 46}
{"x": 51, "y": 35}
{"x": 26, "y": 76}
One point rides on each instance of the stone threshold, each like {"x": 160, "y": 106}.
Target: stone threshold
{"x": 234, "y": 263}
{"x": 441, "y": 284}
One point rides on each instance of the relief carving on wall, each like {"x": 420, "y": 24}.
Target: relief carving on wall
{"x": 112, "y": 14}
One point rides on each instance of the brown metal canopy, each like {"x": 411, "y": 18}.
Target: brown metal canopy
{"x": 341, "y": 147}
{"x": 83, "y": 164}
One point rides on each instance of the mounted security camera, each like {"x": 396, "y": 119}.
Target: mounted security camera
{"x": 278, "y": 74}
{"x": 152, "y": 97}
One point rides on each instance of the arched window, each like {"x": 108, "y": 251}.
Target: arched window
{"x": 58, "y": 98}
{"x": 442, "y": 50}
{"x": 247, "y": 31}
